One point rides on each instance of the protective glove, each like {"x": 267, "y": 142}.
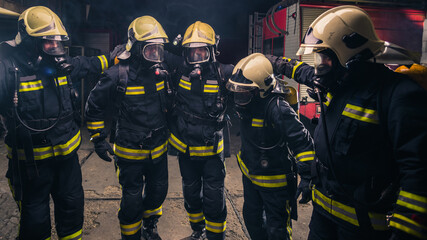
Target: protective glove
{"x": 283, "y": 65}
{"x": 304, "y": 189}
{"x": 101, "y": 149}
{"x": 314, "y": 96}
{"x": 119, "y": 49}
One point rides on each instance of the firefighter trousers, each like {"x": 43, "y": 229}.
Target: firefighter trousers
{"x": 321, "y": 227}
{"x": 144, "y": 188}
{"x": 204, "y": 200}
{"x": 266, "y": 212}
{"x": 61, "y": 179}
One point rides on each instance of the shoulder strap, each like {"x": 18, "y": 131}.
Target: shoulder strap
{"x": 121, "y": 85}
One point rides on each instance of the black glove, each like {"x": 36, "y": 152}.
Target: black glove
{"x": 314, "y": 96}
{"x": 116, "y": 52}
{"x": 283, "y": 65}
{"x": 101, "y": 148}
{"x": 304, "y": 189}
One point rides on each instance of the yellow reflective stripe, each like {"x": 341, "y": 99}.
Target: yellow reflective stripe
{"x": 288, "y": 221}
{"x": 148, "y": 213}
{"x": 195, "y": 217}
{"x": 104, "y": 62}
{"x": 135, "y": 90}
{"x": 30, "y": 86}
{"x": 128, "y": 153}
{"x": 62, "y": 80}
{"x": 48, "y": 238}
{"x": 268, "y": 181}
{"x": 378, "y": 221}
{"x": 184, "y": 84}
{"x": 95, "y": 125}
{"x": 95, "y": 135}
{"x": 160, "y": 85}
{"x": 158, "y": 151}
{"x": 408, "y": 225}
{"x": 203, "y": 151}
{"x": 75, "y": 236}
{"x": 216, "y": 227}
{"x": 335, "y": 208}
{"x": 210, "y": 88}
{"x": 361, "y": 114}
{"x": 130, "y": 229}
{"x": 305, "y": 156}
{"x": 177, "y": 143}
{"x": 328, "y": 99}
{"x": 257, "y": 122}
{"x": 295, "y": 68}
{"x": 412, "y": 201}
{"x": 47, "y": 152}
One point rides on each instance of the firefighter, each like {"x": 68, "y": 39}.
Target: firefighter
{"x": 135, "y": 89}
{"x": 371, "y": 138}
{"x": 197, "y": 123}
{"x": 43, "y": 136}
{"x": 268, "y": 126}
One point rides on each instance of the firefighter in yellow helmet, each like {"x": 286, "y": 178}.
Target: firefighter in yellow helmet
{"x": 136, "y": 89}
{"x": 370, "y": 141}
{"x": 37, "y": 98}
{"x": 272, "y": 139}
{"x": 197, "y": 123}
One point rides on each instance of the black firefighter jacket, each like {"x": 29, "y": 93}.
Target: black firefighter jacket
{"x": 141, "y": 131}
{"x": 198, "y": 114}
{"x": 41, "y": 97}
{"x": 269, "y": 129}
{"x": 377, "y": 127}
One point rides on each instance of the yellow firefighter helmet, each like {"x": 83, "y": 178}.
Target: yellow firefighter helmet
{"x": 252, "y": 72}
{"x": 199, "y": 34}
{"x": 40, "y": 22}
{"x": 145, "y": 28}
{"x": 346, "y": 30}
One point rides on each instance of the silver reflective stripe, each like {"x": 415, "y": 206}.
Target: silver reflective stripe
{"x": 362, "y": 114}
{"x": 185, "y": 83}
{"x": 146, "y": 215}
{"x": 139, "y": 90}
{"x": 60, "y": 151}
{"x": 160, "y": 150}
{"x": 202, "y": 150}
{"x": 160, "y": 85}
{"x": 129, "y": 231}
{"x": 139, "y": 154}
{"x": 76, "y": 237}
{"x": 177, "y": 143}
{"x": 36, "y": 85}
{"x": 336, "y": 209}
{"x": 283, "y": 180}
{"x": 305, "y": 156}
{"x": 412, "y": 201}
{"x": 199, "y": 218}
{"x": 220, "y": 228}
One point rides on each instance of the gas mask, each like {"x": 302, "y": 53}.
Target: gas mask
{"x": 53, "y": 54}
{"x": 327, "y": 70}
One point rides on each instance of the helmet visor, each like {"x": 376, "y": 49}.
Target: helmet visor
{"x": 322, "y": 64}
{"x": 153, "y": 52}
{"x": 197, "y": 55}
{"x": 243, "y": 98}
{"x": 238, "y": 83}
{"x": 53, "y": 47}
{"x": 308, "y": 44}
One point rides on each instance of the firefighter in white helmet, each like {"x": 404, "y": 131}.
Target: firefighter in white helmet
{"x": 274, "y": 141}
{"x": 371, "y": 138}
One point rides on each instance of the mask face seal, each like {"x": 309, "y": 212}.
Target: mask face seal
{"x": 196, "y": 55}
{"x": 322, "y": 64}
{"x": 52, "y": 47}
{"x": 153, "y": 52}
{"x": 243, "y": 98}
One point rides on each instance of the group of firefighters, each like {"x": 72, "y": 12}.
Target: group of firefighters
{"x": 366, "y": 178}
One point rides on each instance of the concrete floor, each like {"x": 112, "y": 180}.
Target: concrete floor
{"x": 102, "y": 198}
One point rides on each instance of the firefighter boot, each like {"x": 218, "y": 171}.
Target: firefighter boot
{"x": 198, "y": 235}
{"x": 149, "y": 230}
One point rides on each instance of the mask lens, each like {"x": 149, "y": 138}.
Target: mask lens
{"x": 153, "y": 52}
{"x": 53, "y": 47}
{"x": 197, "y": 55}
{"x": 322, "y": 64}
{"x": 243, "y": 98}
